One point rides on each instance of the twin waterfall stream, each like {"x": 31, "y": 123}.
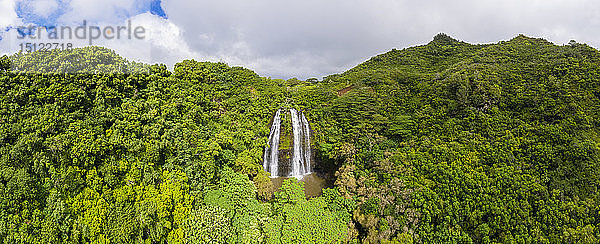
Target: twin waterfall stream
{"x": 277, "y": 160}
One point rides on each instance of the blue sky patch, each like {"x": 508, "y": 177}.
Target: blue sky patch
{"x": 157, "y": 10}
{"x": 25, "y": 10}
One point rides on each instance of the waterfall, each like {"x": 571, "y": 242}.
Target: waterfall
{"x": 271, "y": 156}
{"x": 297, "y": 155}
{"x": 300, "y": 163}
{"x": 306, "y": 149}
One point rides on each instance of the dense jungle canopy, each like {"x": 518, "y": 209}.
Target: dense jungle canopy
{"x": 444, "y": 142}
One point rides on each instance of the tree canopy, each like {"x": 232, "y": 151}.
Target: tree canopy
{"x": 444, "y": 142}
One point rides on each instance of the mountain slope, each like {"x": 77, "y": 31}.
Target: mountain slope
{"x": 444, "y": 142}
{"x": 452, "y": 141}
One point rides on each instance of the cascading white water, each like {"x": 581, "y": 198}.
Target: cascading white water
{"x": 306, "y": 152}
{"x": 297, "y": 156}
{"x": 271, "y": 156}
{"x": 301, "y": 153}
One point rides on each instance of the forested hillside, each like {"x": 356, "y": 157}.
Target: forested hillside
{"x": 445, "y": 142}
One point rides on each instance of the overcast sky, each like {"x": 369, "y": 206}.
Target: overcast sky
{"x": 302, "y": 38}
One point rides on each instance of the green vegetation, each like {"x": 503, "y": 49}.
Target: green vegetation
{"x": 445, "y": 142}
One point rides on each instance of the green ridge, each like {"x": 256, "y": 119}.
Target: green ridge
{"x": 446, "y": 142}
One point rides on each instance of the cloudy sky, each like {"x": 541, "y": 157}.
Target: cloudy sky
{"x": 300, "y": 38}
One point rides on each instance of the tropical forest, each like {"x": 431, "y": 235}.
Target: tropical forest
{"x": 446, "y": 142}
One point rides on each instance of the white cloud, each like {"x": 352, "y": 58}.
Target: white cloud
{"x": 111, "y": 11}
{"x": 163, "y": 42}
{"x": 44, "y": 8}
{"x": 306, "y": 38}
{"x": 316, "y": 38}
{"x": 8, "y": 16}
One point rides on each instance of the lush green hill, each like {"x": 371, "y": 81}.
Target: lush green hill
{"x": 445, "y": 142}
{"x": 468, "y": 143}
